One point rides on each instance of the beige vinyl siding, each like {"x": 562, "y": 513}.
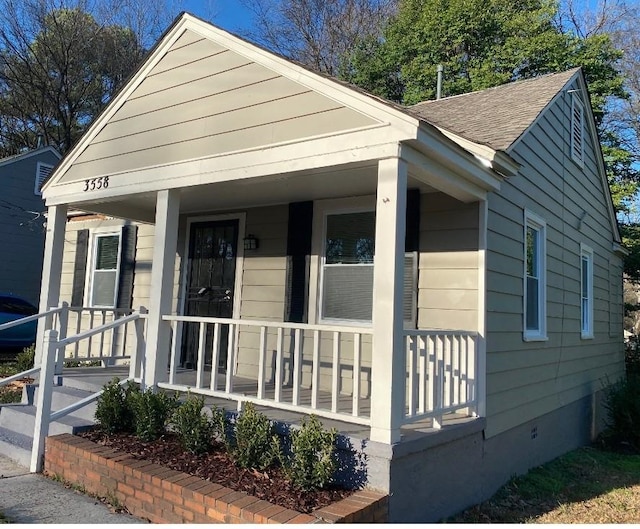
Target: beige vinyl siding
{"x": 201, "y": 100}
{"x": 529, "y": 379}
{"x": 448, "y": 264}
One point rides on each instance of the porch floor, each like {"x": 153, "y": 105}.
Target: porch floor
{"x": 94, "y": 378}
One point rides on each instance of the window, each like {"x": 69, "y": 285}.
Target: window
{"x": 346, "y": 269}
{"x": 103, "y": 280}
{"x": 42, "y": 173}
{"x": 586, "y": 292}
{"x": 535, "y": 325}
{"x": 577, "y": 129}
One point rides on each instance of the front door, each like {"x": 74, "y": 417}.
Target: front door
{"x": 211, "y": 277}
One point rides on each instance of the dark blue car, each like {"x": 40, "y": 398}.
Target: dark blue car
{"x": 13, "y": 308}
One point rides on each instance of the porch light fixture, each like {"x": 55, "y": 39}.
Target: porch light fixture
{"x": 250, "y": 242}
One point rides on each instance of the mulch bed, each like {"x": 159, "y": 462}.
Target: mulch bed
{"x": 217, "y": 466}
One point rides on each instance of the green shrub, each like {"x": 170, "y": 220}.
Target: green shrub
{"x": 25, "y": 359}
{"x": 113, "y": 411}
{"x": 194, "y": 427}
{"x": 151, "y": 413}
{"x": 622, "y": 402}
{"x": 312, "y": 461}
{"x": 256, "y": 444}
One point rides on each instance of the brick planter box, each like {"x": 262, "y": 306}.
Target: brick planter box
{"x": 162, "y": 495}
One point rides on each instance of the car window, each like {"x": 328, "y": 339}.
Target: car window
{"x": 16, "y": 306}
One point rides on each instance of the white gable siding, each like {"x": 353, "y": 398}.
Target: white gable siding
{"x": 528, "y": 379}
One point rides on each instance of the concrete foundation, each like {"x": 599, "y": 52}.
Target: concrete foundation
{"x": 432, "y": 475}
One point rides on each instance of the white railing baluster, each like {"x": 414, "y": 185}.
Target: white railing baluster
{"x": 357, "y": 350}
{"x": 423, "y": 357}
{"x": 262, "y": 355}
{"x": 431, "y": 360}
{"x": 297, "y": 367}
{"x": 215, "y": 356}
{"x": 76, "y": 352}
{"x": 315, "y": 370}
{"x": 231, "y": 345}
{"x": 173, "y": 361}
{"x": 202, "y": 338}
{"x": 411, "y": 350}
{"x": 335, "y": 376}
{"x": 278, "y": 375}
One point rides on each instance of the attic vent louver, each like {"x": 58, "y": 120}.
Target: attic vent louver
{"x": 42, "y": 173}
{"x": 577, "y": 129}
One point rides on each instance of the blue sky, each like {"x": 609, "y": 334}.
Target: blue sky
{"x": 228, "y": 14}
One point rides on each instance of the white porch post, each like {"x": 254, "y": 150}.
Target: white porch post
{"x": 161, "y": 296}
{"x": 51, "y": 270}
{"x": 388, "y": 364}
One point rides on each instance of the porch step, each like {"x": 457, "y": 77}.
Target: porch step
{"x": 21, "y": 418}
{"x": 16, "y": 446}
{"x": 62, "y": 397}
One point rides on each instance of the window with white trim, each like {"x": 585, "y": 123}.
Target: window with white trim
{"x": 535, "y": 313}
{"x": 577, "y": 129}
{"x": 43, "y": 171}
{"x": 346, "y": 270}
{"x": 104, "y": 270}
{"x": 586, "y": 291}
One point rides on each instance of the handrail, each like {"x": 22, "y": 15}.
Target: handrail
{"x": 34, "y": 317}
{"x": 18, "y": 376}
{"x": 440, "y": 332}
{"x": 267, "y": 323}
{"x": 79, "y": 404}
{"x": 97, "y": 330}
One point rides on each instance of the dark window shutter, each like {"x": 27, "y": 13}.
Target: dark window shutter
{"x": 412, "y": 238}
{"x": 127, "y": 266}
{"x": 80, "y": 268}
{"x": 298, "y": 259}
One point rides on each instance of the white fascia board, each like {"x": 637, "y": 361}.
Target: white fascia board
{"x": 338, "y": 149}
{"x": 458, "y": 159}
{"x": 619, "y": 249}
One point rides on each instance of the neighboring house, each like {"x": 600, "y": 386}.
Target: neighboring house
{"x": 454, "y": 266}
{"x": 22, "y": 220}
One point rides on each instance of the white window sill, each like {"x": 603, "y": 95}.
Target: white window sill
{"x": 534, "y": 338}
{"x": 586, "y": 336}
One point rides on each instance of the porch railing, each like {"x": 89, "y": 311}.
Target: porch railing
{"x": 297, "y": 367}
{"x": 441, "y": 374}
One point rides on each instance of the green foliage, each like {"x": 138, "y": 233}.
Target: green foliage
{"x": 151, "y": 412}
{"x": 25, "y": 359}
{"x": 312, "y": 462}
{"x": 256, "y": 444}
{"x": 622, "y": 402}
{"x": 194, "y": 427}
{"x": 113, "y": 411}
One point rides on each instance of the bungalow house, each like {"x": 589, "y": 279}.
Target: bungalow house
{"x": 22, "y": 220}
{"x": 442, "y": 281}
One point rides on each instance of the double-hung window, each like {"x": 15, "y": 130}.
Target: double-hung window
{"x": 535, "y": 325}
{"x": 586, "y": 292}
{"x": 346, "y": 269}
{"x": 103, "y": 273}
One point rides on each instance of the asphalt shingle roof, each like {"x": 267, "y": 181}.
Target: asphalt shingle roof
{"x": 497, "y": 116}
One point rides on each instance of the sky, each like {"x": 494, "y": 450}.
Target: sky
{"x": 227, "y": 14}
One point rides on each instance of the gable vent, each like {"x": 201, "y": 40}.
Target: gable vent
{"x": 577, "y": 130}
{"x": 42, "y": 173}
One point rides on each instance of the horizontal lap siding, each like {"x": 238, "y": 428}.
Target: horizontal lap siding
{"x": 528, "y": 379}
{"x": 448, "y": 264}
{"x": 201, "y": 100}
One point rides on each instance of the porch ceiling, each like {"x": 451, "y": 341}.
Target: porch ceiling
{"x": 331, "y": 182}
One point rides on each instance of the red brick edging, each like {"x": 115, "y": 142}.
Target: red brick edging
{"x": 162, "y": 495}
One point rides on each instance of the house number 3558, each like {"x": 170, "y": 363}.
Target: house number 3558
{"x": 92, "y": 184}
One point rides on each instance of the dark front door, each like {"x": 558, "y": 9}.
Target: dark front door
{"x": 211, "y": 278}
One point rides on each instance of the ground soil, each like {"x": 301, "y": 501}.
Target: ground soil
{"x": 217, "y": 466}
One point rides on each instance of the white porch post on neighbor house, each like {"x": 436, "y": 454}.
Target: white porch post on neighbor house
{"x": 162, "y": 276}
{"x": 388, "y": 363}
{"x": 51, "y": 270}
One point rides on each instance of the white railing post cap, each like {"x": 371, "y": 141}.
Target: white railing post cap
{"x": 51, "y": 335}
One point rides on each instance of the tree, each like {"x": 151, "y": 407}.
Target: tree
{"x": 60, "y": 66}
{"x": 318, "y": 33}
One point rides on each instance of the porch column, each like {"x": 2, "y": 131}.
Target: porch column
{"x": 162, "y": 281}
{"x": 388, "y": 364}
{"x": 51, "y": 270}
